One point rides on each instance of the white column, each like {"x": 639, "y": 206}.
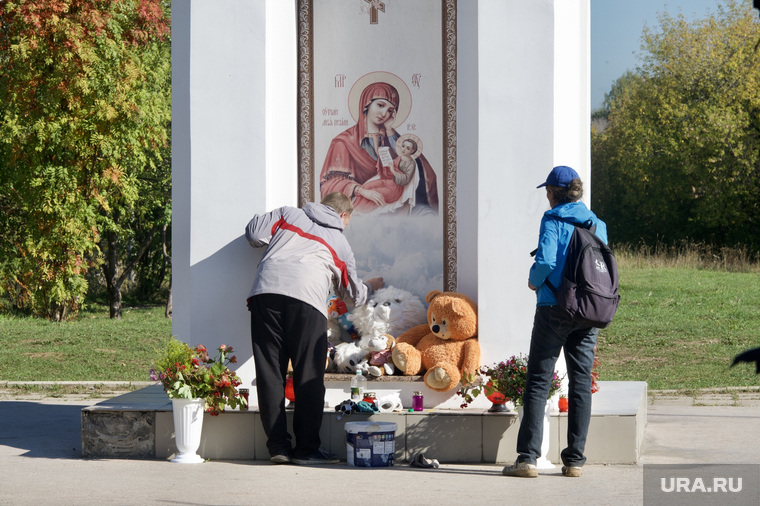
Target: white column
{"x": 533, "y": 113}
{"x": 516, "y": 90}
{"x": 219, "y": 166}
{"x": 572, "y": 99}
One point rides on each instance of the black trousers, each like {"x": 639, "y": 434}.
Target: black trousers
{"x": 282, "y": 329}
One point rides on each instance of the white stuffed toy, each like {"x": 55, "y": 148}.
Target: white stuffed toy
{"x": 389, "y": 311}
{"x": 380, "y": 363}
{"x": 352, "y": 357}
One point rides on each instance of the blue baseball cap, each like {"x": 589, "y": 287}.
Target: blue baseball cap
{"x": 561, "y": 176}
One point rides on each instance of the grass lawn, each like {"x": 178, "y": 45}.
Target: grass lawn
{"x": 91, "y": 348}
{"x": 679, "y": 328}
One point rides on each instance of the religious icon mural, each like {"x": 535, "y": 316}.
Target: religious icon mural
{"x": 377, "y": 123}
{"x": 382, "y": 170}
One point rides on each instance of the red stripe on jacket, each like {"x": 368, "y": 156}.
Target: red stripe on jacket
{"x": 340, "y": 264}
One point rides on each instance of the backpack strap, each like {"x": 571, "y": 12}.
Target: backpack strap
{"x": 588, "y": 225}
{"x": 550, "y": 285}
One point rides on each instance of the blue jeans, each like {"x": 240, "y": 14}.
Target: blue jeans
{"x": 552, "y": 331}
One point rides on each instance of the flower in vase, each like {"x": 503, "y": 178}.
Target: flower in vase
{"x": 505, "y": 379}
{"x": 190, "y": 373}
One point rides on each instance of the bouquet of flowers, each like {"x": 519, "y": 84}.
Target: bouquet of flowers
{"x": 189, "y": 373}
{"x": 502, "y": 382}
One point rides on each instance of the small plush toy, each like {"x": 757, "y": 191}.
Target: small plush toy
{"x": 388, "y": 312}
{"x": 346, "y": 322}
{"x": 352, "y": 357}
{"x": 380, "y": 363}
{"x": 339, "y": 328}
{"x": 335, "y": 306}
{"x": 447, "y": 347}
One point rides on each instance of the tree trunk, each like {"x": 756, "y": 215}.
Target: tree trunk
{"x": 110, "y": 270}
{"x": 59, "y": 312}
{"x": 114, "y": 302}
{"x": 114, "y": 280}
{"x": 167, "y": 256}
{"x": 169, "y": 309}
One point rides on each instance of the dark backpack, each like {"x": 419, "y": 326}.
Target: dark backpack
{"x": 588, "y": 291}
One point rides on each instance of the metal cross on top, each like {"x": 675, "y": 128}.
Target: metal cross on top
{"x": 374, "y": 6}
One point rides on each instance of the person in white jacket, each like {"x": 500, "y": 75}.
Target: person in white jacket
{"x": 306, "y": 255}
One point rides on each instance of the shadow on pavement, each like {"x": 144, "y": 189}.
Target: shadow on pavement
{"x": 41, "y": 430}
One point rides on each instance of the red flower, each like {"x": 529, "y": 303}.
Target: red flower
{"x": 206, "y": 377}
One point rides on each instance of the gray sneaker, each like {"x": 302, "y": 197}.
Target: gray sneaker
{"x": 280, "y": 459}
{"x": 572, "y": 471}
{"x": 317, "y": 458}
{"x": 521, "y": 470}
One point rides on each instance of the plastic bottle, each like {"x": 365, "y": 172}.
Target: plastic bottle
{"x": 358, "y": 387}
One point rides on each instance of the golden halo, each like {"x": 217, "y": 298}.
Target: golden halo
{"x": 413, "y": 137}
{"x": 404, "y": 95}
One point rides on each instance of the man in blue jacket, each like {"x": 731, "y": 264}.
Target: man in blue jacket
{"x": 306, "y": 254}
{"x": 553, "y": 330}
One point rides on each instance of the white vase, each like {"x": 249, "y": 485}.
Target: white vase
{"x": 188, "y": 425}
{"x": 543, "y": 461}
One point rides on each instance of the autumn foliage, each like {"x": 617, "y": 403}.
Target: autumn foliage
{"x": 678, "y": 161}
{"x": 84, "y": 123}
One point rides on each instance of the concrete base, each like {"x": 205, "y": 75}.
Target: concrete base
{"x": 139, "y": 425}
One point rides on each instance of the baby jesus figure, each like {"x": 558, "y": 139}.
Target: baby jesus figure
{"x": 396, "y": 182}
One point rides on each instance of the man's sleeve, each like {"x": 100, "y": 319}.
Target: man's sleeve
{"x": 354, "y": 288}
{"x": 546, "y": 255}
{"x": 261, "y": 228}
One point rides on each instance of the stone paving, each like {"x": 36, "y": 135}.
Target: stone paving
{"x": 737, "y": 397}
{"x": 72, "y": 391}
{"x": 40, "y": 462}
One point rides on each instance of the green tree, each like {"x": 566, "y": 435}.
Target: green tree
{"x": 600, "y": 117}
{"x": 679, "y": 158}
{"x": 84, "y": 126}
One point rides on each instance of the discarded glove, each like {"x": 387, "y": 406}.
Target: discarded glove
{"x": 346, "y": 408}
{"x": 420, "y": 461}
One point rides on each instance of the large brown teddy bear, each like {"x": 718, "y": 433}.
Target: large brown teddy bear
{"x": 447, "y": 347}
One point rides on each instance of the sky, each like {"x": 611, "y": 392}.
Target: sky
{"x": 616, "y": 29}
